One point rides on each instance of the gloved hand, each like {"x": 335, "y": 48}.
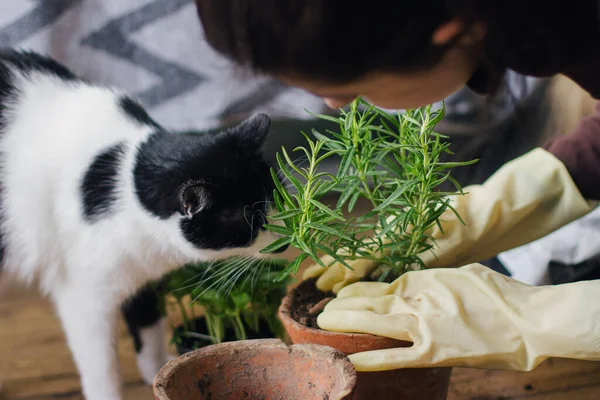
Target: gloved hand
{"x": 523, "y": 201}
{"x": 468, "y": 317}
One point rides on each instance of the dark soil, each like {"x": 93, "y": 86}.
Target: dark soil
{"x": 189, "y": 344}
{"x": 307, "y": 303}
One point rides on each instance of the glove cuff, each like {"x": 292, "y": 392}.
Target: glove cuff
{"x": 567, "y": 321}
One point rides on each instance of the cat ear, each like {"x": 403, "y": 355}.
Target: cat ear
{"x": 252, "y": 132}
{"x": 194, "y": 199}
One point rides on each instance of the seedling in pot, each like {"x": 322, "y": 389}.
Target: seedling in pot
{"x": 239, "y": 298}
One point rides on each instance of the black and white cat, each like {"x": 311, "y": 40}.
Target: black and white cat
{"x": 97, "y": 200}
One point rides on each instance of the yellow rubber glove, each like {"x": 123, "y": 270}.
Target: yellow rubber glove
{"x": 469, "y": 317}
{"x": 523, "y": 201}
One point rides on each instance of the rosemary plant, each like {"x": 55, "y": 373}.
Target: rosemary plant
{"x": 390, "y": 160}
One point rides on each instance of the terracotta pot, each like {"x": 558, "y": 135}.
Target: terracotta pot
{"x": 401, "y": 384}
{"x": 257, "y": 370}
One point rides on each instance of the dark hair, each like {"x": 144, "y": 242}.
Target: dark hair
{"x": 336, "y": 41}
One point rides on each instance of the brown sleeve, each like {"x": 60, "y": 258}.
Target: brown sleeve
{"x": 580, "y": 152}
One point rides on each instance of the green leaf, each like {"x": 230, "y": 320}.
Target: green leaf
{"x": 294, "y": 181}
{"x": 327, "y": 210}
{"x": 320, "y": 175}
{"x": 276, "y": 245}
{"x": 305, "y": 151}
{"x": 340, "y": 138}
{"x": 325, "y": 117}
{"x": 376, "y": 173}
{"x": 387, "y": 116}
{"x": 283, "y": 230}
{"x": 411, "y": 119}
{"x": 284, "y": 194}
{"x": 455, "y": 164}
{"x": 456, "y": 213}
{"x": 317, "y": 259}
{"x": 456, "y": 184}
{"x": 348, "y": 191}
{"x": 328, "y": 229}
{"x": 408, "y": 219}
{"x": 392, "y": 197}
{"x": 328, "y": 142}
{"x": 439, "y": 116}
{"x": 320, "y": 136}
{"x": 325, "y": 156}
{"x": 325, "y": 188}
{"x": 389, "y": 227}
{"x": 278, "y": 200}
{"x": 302, "y": 245}
{"x": 353, "y": 201}
{"x": 285, "y": 215}
{"x": 346, "y": 162}
{"x": 290, "y": 164}
{"x": 333, "y": 255}
{"x": 292, "y": 267}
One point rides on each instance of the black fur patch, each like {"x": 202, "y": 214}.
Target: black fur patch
{"x": 98, "y": 188}
{"x": 29, "y": 61}
{"x": 136, "y": 112}
{"x": 141, "y": 311}
{"x": 228, "y": 165}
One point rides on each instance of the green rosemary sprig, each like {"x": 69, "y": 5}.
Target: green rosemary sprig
{"x": 391, "y": 160}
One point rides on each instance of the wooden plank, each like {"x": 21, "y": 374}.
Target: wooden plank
{"x": 35, "y": 361}
{"x": 554, "y": 379}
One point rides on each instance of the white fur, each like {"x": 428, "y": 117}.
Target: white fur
{"x": 154, "y": 352}
{"x": 55, "y": 129}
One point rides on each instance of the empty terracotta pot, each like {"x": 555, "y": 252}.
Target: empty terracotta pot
{"x": 257, "y": 370}
{"x": 401, "y": 384}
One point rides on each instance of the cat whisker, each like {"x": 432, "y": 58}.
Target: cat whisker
{"x": 262, "y": 202}
{"x": 193, "y": 278}
{"x": 254, "y": 276}
{"x": 252, "y": 227}
{"x": 246, "y": 217}
{"x": 235, "y": 275}
{"x": 243, "y": 273}
{"x": 224, "y": 272}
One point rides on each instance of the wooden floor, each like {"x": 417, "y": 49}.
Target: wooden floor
{"x": 36, "y": 364}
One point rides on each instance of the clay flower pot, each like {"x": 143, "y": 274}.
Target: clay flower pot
{"x": 402, "y": 384}
{"x": 257, "y": 370}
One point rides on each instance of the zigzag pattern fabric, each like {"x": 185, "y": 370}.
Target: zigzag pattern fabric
{"x": 154, "y": 49}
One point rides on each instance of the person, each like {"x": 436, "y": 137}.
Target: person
{"x": 406, "y": 54}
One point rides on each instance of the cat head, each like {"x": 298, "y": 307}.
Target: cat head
{"x": 216, "y": 187}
